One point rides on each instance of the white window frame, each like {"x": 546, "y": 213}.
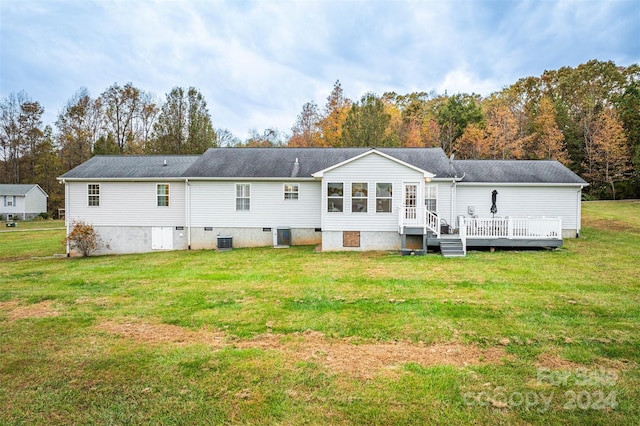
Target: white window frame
{"x": 331, "y": 199}
{"x": 166, "y": 195}
{"x": 359, "y": 198}
{"x": 93, "y": 193}
{"x": 243, "y": 195}
{"x": 380, "y": 198}
{"x": 431, "y": 198}
{"x": 9, "y": 200}
{"x": 291, "y": 191}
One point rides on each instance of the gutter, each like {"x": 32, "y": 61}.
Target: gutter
{"x": 187, "y": 211}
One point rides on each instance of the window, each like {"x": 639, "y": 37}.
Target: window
{"x": 384, "y": 194}
{"x": 335, "y": 194}
{"x": 9, "y": 200}
{"x": 93, "y": 192}
{"x": 163, "y": 195}
{"x": 359, "y": 197}
{"x": 243, "y": 197}
{"x": 291, "y": 191}
{"x": 431, "y": 198}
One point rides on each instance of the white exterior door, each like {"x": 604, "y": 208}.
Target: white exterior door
{"x": 412, "y": 204}
{"x": 162, "y": 238}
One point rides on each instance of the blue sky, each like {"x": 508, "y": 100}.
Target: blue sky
{"x": 258, "y": 62}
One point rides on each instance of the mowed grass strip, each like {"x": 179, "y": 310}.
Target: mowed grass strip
{"x": 292, "y": 336}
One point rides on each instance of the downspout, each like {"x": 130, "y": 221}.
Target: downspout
{"x": 579, "y": 211}
{"x": 66, "y": 215}
{"x": 452, "y": 219}
{"x": 187, "y": 212}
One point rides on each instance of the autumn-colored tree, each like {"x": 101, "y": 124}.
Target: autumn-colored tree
{"x": 502, "y": 131}
{"x": 547, "y": 141}
{"x": 608, "y": 157}
{"x": 334, "y": 116}
{"x": 306, "y": 132}
{"x": 473, "y": 144}
{"x": 454, "y": 114}
{"x": 268, "y": 139}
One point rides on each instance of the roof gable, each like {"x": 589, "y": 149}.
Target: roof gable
{"x": 374, "y": 151}
{"x": 20, "y": 189}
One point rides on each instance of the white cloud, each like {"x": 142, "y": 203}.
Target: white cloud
{"x": 258, "y": 62}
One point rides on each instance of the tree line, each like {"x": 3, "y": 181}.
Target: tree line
{"x": 586, "y": 117}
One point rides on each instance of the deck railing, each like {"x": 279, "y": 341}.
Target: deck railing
{"x": 514, "y": 228}
{"x": 418, "y": 217}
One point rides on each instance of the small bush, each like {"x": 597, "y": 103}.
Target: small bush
{"x": 84, "y": 238}
{"x": 44, "y": 215}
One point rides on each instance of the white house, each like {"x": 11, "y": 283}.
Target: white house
{"x": 342, "y": 198}
{"x": 22, "y": 201}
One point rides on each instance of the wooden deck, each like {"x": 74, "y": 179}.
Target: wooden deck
{"x": 507, "y": 232}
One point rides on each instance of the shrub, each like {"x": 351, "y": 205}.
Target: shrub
{"x": 84, "y": 238}
{"x": 44, "y": 215}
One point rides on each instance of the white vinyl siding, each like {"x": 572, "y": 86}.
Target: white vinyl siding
{"x": 369, "y": 169}
{"x": 126, "y": 204}
{"x": 214, "y": 204}
{"x": 521, "y": 201}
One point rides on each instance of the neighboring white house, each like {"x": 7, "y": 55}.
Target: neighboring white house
{"x": 22, "y": 201}
{"x": 341, "y": 198}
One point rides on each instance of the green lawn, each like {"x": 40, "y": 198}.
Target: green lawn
{"x": 290, "y": 336}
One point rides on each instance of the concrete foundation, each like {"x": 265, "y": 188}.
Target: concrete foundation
{"x": 334, "y": 241}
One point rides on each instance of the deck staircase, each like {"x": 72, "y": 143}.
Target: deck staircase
{"x": 452, "y": 247}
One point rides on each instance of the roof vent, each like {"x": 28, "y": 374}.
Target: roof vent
{"x": 296, "y": 169}
{"x": 165, "y": 163}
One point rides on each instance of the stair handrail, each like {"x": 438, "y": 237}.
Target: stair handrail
{"x": 432, "y": 222}
{"x": 463, "y": 234}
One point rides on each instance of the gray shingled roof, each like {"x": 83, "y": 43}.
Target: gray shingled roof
{"x": 16, "y": 189}
{"x": 515, "y": 171}
{"x": 280, "y": 162}
{"x": 134, "y": 166}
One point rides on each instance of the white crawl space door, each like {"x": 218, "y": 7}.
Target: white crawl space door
{"x": 162, "y": 238}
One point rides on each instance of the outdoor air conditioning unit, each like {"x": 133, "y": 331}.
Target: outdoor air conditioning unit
{"x": 282, "y": 237}
{"x": 225, "y": 243}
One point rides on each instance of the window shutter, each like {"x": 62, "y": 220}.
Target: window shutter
{"x": 14, "y": 201}
{"x": 5, "y": 201}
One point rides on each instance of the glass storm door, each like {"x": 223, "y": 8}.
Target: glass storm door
{"x": 410, "y": 201}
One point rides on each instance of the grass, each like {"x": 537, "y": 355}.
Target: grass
{"x": 293, "y": 336}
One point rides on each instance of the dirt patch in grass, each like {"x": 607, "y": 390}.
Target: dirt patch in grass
{"x": 368, "y": 359}
{"x": 163, "y": 333}
{"x": 363, "y": 360}
{"x": 16, "y": 311}
{"x": 554, "y": 362}
{"x": 611, "y": 225}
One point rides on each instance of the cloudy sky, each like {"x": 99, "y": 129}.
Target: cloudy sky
{"x": 258, "y": 62}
